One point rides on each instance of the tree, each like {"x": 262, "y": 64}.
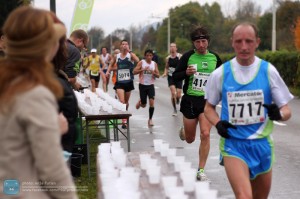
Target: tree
{"x": 96, "y": 36}
{"x": 247, "y": 11}
{"x": 265, "y": 31}
{"x": 297, "y": 34}
{"x": 287, "y": 14}
{"x": 149, "y": 39}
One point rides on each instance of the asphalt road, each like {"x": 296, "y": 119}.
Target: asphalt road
{"x": 286, "y": 173}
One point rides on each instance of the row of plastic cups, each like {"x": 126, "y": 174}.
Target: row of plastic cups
{"x": 152, "y": 168}
{"x": 121, "y": 188}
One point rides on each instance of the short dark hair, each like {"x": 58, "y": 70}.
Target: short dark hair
{"x": 80, "y": 34}
{"x": 245, "y": 24}
{"x": 199, "y": 32}
{"x": 148, "y": 51}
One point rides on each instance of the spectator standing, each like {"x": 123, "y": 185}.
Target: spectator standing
{"x": 78, "y": 40}
{"x": 29, "y": 120}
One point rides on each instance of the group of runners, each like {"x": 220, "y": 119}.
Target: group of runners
{"x": 250, "y": 89}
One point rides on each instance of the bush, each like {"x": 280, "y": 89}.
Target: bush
{"x": 286, "y": 62}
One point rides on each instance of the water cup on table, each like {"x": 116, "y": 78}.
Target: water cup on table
{"x": 157, "y": 144}
{"x": 164, "y": 149}
{"x": 184, "y": 166}
{"x": 176, "y": 191}
{"x": 202, "y": 189}
{"x": 208, "y": 194}
{"x": 168, "y": 182}
{"x": 188, "y": 180}
{"x": 144, "y": 159}
{"x": 151, "y": 163}
{"x": 170, "y": 156}
{"x": 177, "y": 160}
{"x": 154, "y": 175}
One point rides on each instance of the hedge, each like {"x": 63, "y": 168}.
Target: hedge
{"x": 286, "y": 62}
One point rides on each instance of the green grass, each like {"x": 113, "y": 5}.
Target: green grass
{"x": 83, "y": 181}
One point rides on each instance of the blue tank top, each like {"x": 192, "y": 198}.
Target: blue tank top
{"x": 242, "y": 103}
{"x": 125, "y": 69}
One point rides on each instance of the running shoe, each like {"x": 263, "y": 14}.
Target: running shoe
{"x": 174, "y": 113}
{"x": 182, "y": 133}
{"x": 201, "y": 176}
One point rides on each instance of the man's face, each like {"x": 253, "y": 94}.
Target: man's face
{"x": 244, "y": 43}
{"x": 104, "y": 51}
{"x": 124, "y": 46}
{"x": 148, "y": 57}
{"x": 80, "y": 43}
{"x": 173, "y": 48}
{"x": 201, "y": 45}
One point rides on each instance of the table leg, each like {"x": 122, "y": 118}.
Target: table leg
{"x": 88, "y": 146}
{"x": 128, "y": 135}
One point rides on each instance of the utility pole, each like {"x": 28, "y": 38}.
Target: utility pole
{"x": 274, "y": 27}
{"x": 52, "y": 6}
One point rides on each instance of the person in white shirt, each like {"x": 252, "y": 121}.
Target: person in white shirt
{"x": 148, "y": 72}
{"x": 253, "y": 95}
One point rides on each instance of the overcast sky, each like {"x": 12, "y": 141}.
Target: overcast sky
{"x": 112, "y": 14}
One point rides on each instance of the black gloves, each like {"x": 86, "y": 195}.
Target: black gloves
{"x": 222, "y": 127}
{"x": 273, "y": 111}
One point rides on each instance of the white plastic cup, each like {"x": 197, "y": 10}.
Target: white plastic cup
{"x": 154, "y": 175}
{"x": 144, "y": 159}
{"x": 164, "y": 149}
{"x": 177, "y": 160}
{"x": 168, "y": 182}
{"x": 184, "y": 166}
{"x": 193, "y": 66}
{"x": 208, "y": 194}
{"x": 150, "y": 163}
{"x": 175, "y": 191}
{"x": 188, "y": 179}
{"x": 157, "y": 144}
{"x": 170, "y": 156}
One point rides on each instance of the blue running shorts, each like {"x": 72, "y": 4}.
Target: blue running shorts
{"x": 258, "y": 154}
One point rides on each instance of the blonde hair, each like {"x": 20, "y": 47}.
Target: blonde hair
{"x": 30, "y": 32}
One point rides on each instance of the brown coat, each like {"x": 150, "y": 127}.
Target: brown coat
{"x": 30, "y": 149}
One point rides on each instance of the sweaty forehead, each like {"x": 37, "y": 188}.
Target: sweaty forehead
{"x": 243, "y": 30}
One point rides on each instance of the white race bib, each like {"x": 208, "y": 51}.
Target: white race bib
{"x": 171, "y": 71}
{"x": 123, "y": 74}
{"x": 199, "y": 81}
{"x": 245, "y": 107}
